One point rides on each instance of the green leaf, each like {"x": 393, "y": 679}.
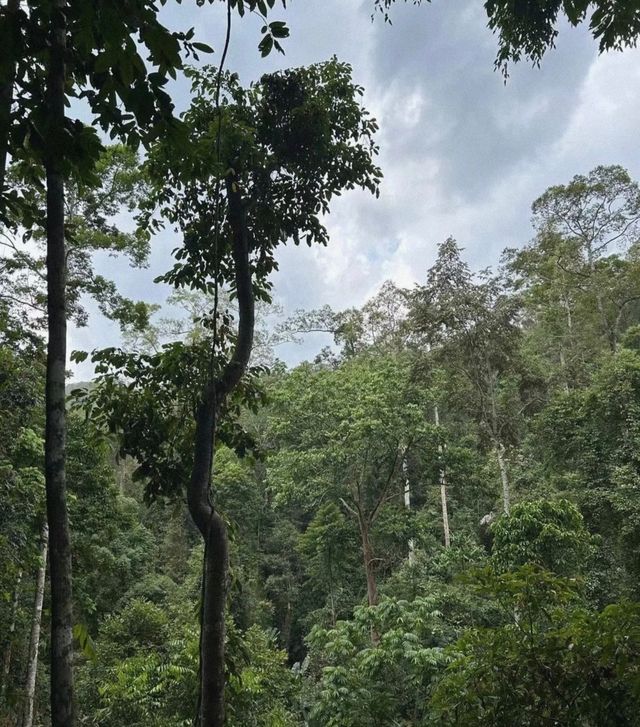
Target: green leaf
{"x": 203, "y": 47}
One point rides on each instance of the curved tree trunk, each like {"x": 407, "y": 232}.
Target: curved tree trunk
{"x": 34, "y": 639}
{"x": 211, "y": 711}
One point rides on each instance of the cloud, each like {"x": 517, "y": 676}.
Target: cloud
{"x": 463, "y": 154}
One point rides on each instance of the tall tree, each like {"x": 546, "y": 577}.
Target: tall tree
{"x": 262, "y": 164}
{"x": 593, "y": 214}
{"x": 87, "y": 50}
{"x": 471, "y": 327}
{"x": 34, "y": 638}
{"x": 342, "y": 439}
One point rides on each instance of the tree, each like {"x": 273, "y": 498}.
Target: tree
{"x": 557, "y": 663}
{"x": 587, "y": 442}
{"x": 342, "y": 437}
{"x": 548, "y": 534}
{"x": 377, "y": 326}
{"x": 87, "y": 50}
{"x": 592, "y": 214}
{"x": 91, "y": 211}
{"x": 263, "y": 163}
{"x": 359, "y": 684}
{"x": 471, "y": 328}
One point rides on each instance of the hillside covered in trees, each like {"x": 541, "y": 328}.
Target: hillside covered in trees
{"x": 434, "y": 520}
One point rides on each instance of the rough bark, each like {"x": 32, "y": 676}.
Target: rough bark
{"x": 62, "y": 708}
{"x": 211, "y": 711}
{"x": 8, "y": 648}
{"x": 34, "y": 639}
{"x": 10, "y": 11}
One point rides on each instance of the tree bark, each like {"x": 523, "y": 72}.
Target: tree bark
{"x": 6, "y": 656}
{"x": 443, "y": 486}
{"x": 504, "y": 477}
{"x": 609, "y": 332}
{"x": 499, "y": 446}
{"x": 211, "y": 711}
{"x": 563, "y": 367}
{"x": 34, "y": 640}
{"x": 369, "y": 562}
{"x": 407, "y": 503}
{"x": 62, "y": 708}
{"x": 6, "y": 93}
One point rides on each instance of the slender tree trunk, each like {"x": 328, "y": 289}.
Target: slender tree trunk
{"x": 213, "y": 624}
{"x": 211, "y": 712}
{"x": 34, "y": 640}
{"x": 563, "y": 366}
{"x": 499, "y": 446}
{"x": 332, "y": 599}
{"x": 6, "y": 657}
{"x": 407, "y": 504}
{"x": 443, "y": 485}
{"x": 606, "y": 326}
{"x": 215, "y": 566}
{"x": 445, "y": 514}
{"x": 62, "y": 708}
{"x": 6, "y": 92}
{"x": 286, "y": 625}
{"x": 369, "y": 562}
{"x": 504, "y": 476}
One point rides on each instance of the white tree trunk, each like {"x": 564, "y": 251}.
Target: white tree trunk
{"x": 443, "y": 485}
{"x": 34, "y": 640}
{"x": 563, "y": 366}
{"x": 504, "y": 476}
{"x": 407, "y": 504}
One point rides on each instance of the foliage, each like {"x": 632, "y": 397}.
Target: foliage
{"x": 550, "y": 534}
{"x": 555, "y": 663}
{"x": 360, "y": 683}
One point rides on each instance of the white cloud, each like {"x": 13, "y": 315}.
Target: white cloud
{"x": 462, "y": 153}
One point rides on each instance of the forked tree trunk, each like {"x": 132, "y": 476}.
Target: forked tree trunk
{"x": 34, "y": 639}
{"x": 62, "y": 708}
{"x": 8, "y": 647}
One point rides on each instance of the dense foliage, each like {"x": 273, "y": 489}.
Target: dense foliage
{"x": 346, "y": 606}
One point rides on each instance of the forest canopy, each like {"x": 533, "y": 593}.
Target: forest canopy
{"x": 434, "y": 519}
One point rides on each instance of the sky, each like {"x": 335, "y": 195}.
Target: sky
{"x": 463, "y": 154}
